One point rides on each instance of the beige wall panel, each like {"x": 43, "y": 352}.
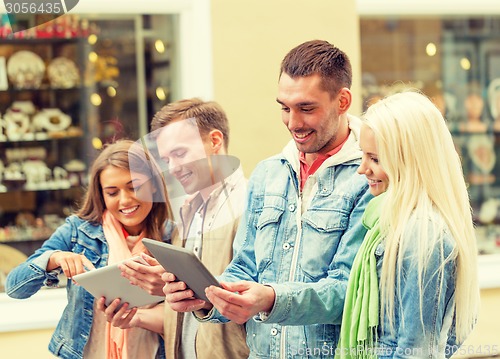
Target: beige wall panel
{"x": 250, "y": 38}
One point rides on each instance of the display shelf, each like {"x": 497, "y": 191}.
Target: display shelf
{"x": 45, "y": 137}
{"x": 102, "y": 106}
{"x": 44, "y": 87}
{"x": 42, "y": 130}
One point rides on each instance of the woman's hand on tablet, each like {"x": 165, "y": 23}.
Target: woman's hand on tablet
{"x": 145, "y": 273}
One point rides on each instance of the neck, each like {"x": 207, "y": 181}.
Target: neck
{"x": 205, "y": 192}
{"x": 340, "y": 138}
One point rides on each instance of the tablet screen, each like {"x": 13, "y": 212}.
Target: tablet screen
{"x": 184, "y": 265}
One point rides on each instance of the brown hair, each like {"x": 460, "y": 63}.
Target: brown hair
{"x": 319, "y": 57}
{"x": 209, "y": 116}
{"x": 120, "y": 155}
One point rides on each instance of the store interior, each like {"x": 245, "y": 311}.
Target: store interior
{"x": 72, "y": 84}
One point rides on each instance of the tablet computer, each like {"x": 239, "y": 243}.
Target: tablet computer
{"x": 184, "y": 265}
{"x": 108, "y": 282}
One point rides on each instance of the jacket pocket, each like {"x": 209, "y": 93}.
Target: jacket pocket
{"x": 268, "y": 224}
{"x": 321, "y": 234}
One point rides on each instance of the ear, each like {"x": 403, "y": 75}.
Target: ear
{"x": 345, "y": 100}
{"x": 216, "y": 141}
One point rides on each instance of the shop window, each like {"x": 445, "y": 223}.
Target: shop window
{"x": 456, "y": 62}
{"x": 68, "y": 87}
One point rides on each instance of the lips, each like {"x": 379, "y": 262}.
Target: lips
{"x": 129, "y": 210}
{"x": 301, "y": 137}
{"x": 183, "y": 178}
{"x": 373, "y": 181}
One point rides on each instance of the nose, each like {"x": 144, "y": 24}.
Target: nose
{"x": 293, "y": 120}
{"x": 126, "y": 197}
{"x": 174, "y": 167}
{"x": 363, "y": 169}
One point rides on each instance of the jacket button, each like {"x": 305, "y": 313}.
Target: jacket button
{"x": 286, "y": 246}
{"x": 291, "y": 207}
{"x": 274, "y": 331}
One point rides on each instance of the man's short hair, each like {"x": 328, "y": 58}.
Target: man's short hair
{"x": 209, "y": 116}
{"x": 319, "y": 57}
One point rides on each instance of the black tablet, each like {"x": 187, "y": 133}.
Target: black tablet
{"x": 184, "y": 265}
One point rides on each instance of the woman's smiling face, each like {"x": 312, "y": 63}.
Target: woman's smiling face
{"x": 121, "y": 200}
{"x": 370, "y": 166}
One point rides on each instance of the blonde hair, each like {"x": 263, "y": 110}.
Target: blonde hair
{"x": 416, "y": 150}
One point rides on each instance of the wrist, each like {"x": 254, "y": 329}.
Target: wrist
{"x": 52, "y": 262}
{"x": 270, "y": 296}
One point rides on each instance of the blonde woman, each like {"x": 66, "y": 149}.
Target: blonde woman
{"x": 413, "y": 290}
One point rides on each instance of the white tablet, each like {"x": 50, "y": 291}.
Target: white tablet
{"x": 184, "y": 264}
{"x": 108, "y": 282}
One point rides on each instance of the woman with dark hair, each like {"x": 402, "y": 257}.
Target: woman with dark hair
{"x": 126, "y": 200}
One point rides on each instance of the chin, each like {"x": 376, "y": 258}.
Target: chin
{"x": 376, "y": 192}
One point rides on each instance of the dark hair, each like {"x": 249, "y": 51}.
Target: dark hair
{"x": 120, "y": 155}
{"x": 319, "y": 57}
{"x": 209, "y": 116}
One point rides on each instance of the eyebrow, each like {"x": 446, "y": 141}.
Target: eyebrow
{"x": 300, "y": 104}
{"x": 128, "y": 183}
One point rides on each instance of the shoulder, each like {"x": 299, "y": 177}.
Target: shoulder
{"x": 440, "y": 239}
{"x": 271, "y": 167}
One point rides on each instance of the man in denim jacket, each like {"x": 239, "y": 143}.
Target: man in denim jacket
{"x": 301, "y": 230}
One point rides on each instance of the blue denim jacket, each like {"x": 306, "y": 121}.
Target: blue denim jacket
{"x": 73, "y": 329}
{"x": 303, "y": 246}
{"x": 421, "y": 334}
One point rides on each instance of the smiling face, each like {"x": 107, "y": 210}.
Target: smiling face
{"x": 311, "y": 115}
{"x": 121, "y": 199}
{"x": 370, "y": 166}
{"x": 182, "y": 149}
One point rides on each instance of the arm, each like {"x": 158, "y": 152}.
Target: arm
{"x": 242, "y": 269}
{"x": 241, "y": 300}
{"x": 299, "y": 303}
{"x": 182, "y": 300}
{"x": 27, "y": 278}
{"x": 421, "y": 324}
{"x": 291, "y": 303}
{"x": 149, "y": 318}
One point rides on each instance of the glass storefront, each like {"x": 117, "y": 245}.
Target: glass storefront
{"x": 456, "y": 62}
{"x": 70, "y": 86}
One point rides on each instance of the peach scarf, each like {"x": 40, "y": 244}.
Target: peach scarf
{"x": 120, "y": 341}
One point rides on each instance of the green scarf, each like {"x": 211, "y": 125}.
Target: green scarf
{"x": 358, "y": 334}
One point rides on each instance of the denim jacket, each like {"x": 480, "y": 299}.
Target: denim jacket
{"x": 427, "y": 333}
{"x": 303, "y": 245}
{"x": 73, "y": 330}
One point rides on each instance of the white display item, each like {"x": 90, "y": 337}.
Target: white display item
{"x": 25, "y": 69}
{"x": 26, "y": 107}
{"x": 63, "y": 73}
{"x": 51, "y": 120}
{"x": 17, "y": 125}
